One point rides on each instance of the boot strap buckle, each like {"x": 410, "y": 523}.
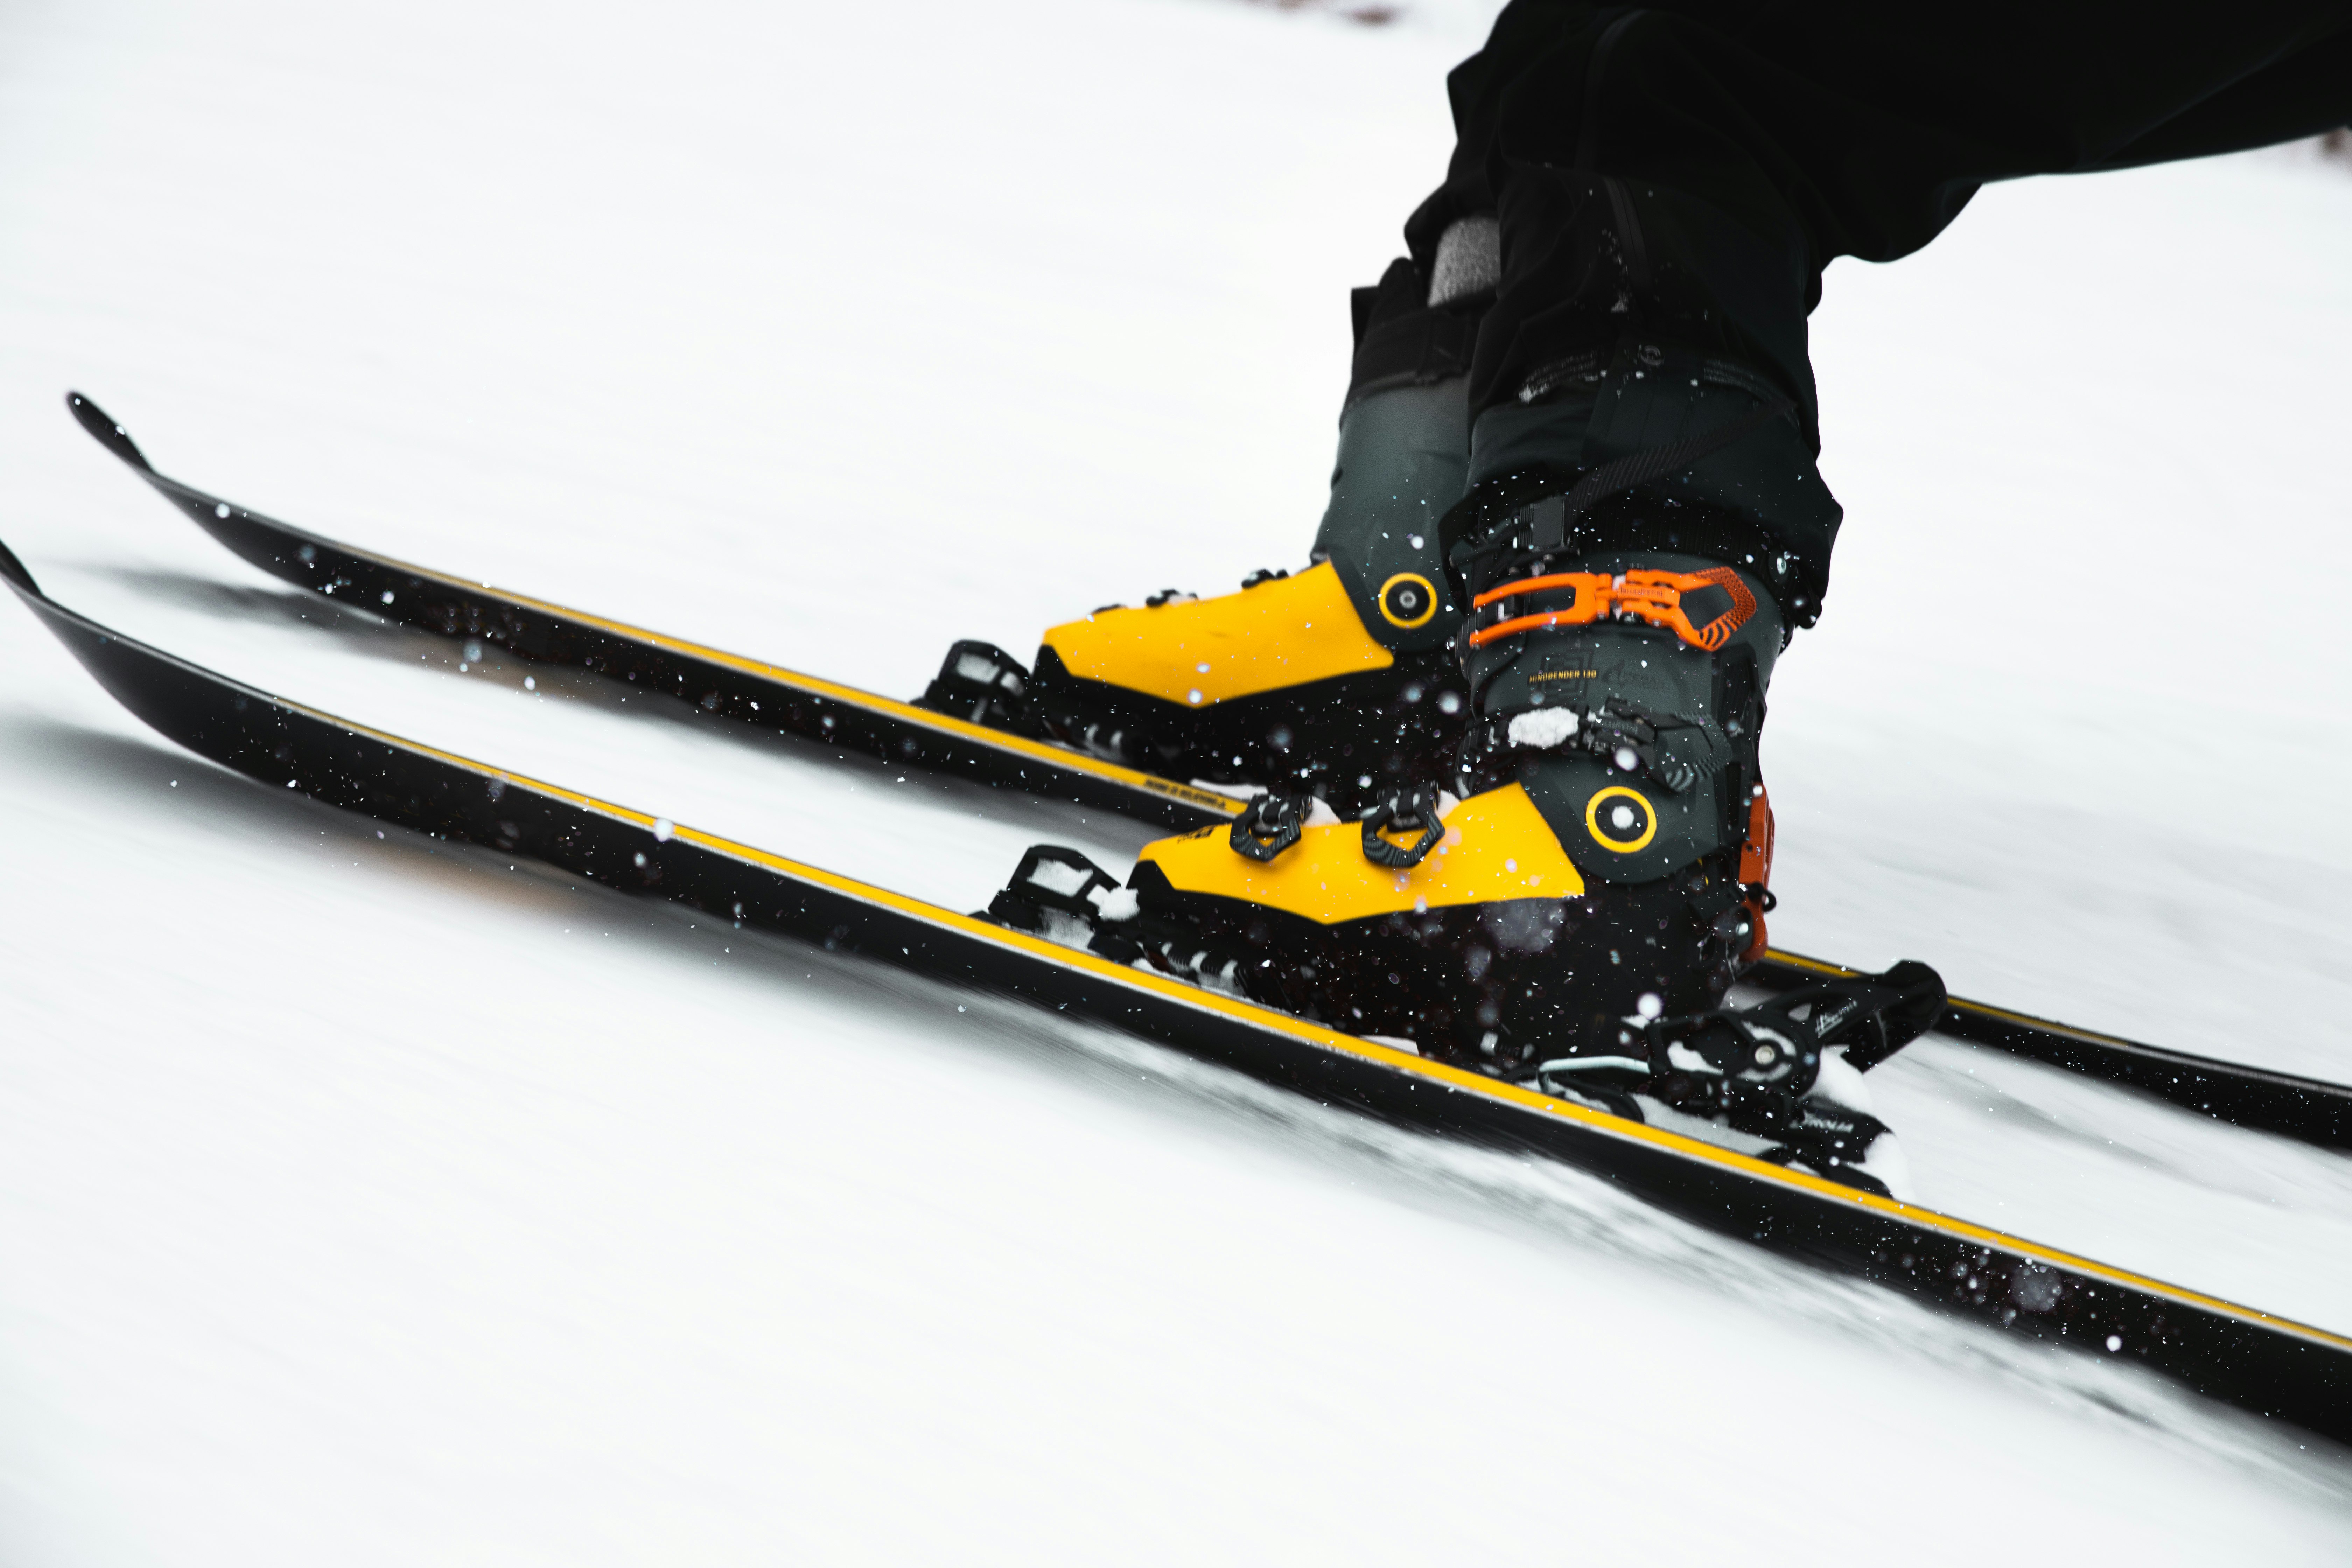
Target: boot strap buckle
{"x": 1652, "y": 596}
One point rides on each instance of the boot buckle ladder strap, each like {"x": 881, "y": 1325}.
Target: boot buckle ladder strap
{"x": 1652, "y": 596}
{"x": 1272, "y": 823}
{"x": 1408, "y": 811}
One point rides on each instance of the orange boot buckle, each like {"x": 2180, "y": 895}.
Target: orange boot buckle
{"x": 1652, "y": 596}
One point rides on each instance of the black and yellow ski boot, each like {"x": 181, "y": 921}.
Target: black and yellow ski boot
{"x": 1598, "y": 853}
{"x": 1336, "y": 680}
{"x": 1568, "y": 909}
{"x": 1599, "y": 857}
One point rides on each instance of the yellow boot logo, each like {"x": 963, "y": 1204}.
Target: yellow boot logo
{"x": 1621, "y": 820}
{"x": 1408, "y": 600}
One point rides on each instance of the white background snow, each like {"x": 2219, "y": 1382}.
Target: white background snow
{"x": 365, "y": 1201}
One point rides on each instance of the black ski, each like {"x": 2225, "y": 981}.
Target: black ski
{"x": 764, "y": 696}
{"x": 769, "y": 697}
{"x": 2248, "y": 1358}
{"x": 2303, "y": 1108}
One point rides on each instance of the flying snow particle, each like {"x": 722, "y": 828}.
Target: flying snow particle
{"x": 663, "y": 828}
{"x": 220, "y": 511}
{"x": 1649, "y": 1005}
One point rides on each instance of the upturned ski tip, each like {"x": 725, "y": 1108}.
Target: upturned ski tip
{"x": 111, "y": 436}
{"x": 14, "y": 569}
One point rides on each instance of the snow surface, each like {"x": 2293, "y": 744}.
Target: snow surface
{"x": 363, "y": 1200}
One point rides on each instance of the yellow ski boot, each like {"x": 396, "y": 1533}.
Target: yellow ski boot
{"x": 1597, "y": 856}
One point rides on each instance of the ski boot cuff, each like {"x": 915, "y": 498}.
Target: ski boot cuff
{"x": 1403, "y": 455}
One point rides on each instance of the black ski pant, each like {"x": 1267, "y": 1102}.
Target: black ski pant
{"x": 1672, "y": 179}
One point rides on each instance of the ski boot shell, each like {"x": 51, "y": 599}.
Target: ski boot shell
{"x": 1466, "y": 927}
{"x": 1598, "y": 857}
{"x": 1281, "y": 683}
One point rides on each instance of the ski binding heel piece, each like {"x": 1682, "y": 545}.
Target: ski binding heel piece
{"x": 983, "y": 684}
{"x": 1749, "y": 1078}
{"x": 1060, "y": 895}
{"x": 1872, "y": 1015}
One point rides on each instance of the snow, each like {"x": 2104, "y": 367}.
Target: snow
{"x": 1542, "y": 730}
{"x": 1055, "y": 877}
{"x": 365, "y": 1200}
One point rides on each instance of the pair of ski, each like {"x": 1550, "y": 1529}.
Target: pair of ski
{"x": 2247, "y": 1357}
{"x": 768, "y": 697}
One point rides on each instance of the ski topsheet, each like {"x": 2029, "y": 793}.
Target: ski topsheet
{"x": 770, "y": 696}
{"x": 2249, "y": 1358}
{"x": 2303, "y": 1108}
{"x": 765, "y": 696}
